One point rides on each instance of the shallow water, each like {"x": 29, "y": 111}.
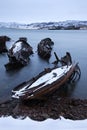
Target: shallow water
{"x": 73, "y": 41}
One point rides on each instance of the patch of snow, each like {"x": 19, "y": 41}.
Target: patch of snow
{"x": 45, "y": 25}
{"x": 49, "y": 78}
{"x": 17, "y": 47}
{"x": 9, "y": 123}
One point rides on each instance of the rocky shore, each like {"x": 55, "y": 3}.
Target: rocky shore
{"x": 53, "y": 107}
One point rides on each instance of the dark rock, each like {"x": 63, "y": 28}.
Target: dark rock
{"x": 3, "y": 40}
{"x": 44, "y": 48}
{"x": 74, "y": 109}
{"x": 23, "y": 39}
{"x": 11, "y": 66}
{"x": 19, "y": 53}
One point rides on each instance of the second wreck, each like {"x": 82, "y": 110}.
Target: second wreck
{"x": 44, "y": 48}
{"x": 19, "y": 53}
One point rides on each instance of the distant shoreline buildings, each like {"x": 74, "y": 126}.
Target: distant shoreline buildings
{"x": 65, "y": 25}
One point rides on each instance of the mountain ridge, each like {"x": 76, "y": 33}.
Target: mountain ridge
{"x": 62, "y": 25}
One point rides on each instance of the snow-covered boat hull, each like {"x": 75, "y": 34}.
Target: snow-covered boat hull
{"x": 46, "y": 82}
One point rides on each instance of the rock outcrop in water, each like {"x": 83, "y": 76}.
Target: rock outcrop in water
{"x": 44, "y": 48}
{"x": 19, "y": 53}
{"x": 3, "y": 40}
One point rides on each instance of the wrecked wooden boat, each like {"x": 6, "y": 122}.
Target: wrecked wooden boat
{"x": 46, "y": 82}
{"x": 44, "y": 48}
{"x": 19, "y": 54}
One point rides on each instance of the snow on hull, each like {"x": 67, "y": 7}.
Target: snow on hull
{"x": 51, "y": 77}
{"x": 44, "y": 84}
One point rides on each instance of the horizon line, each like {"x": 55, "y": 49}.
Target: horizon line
{"x": 42, "y": 21}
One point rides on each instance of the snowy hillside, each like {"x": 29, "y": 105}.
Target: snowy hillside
{"x": 65, "y": 25}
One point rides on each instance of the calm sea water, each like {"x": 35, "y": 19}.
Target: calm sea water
{"x": 74, "y": 41}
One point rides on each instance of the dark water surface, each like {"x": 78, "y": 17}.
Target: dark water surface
{"x": 74, "y": 41}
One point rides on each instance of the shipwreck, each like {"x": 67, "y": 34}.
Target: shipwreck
{"x": 19, "y": 54}
{"x": 47, "y": 82}
{"x": 44, "y": 48}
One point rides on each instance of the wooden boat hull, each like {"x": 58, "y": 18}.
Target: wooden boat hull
{"x": 41, "y": 85}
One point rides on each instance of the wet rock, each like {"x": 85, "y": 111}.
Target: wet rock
{"x": 19, "y": 53}
{"x": 74, "y": 109}
{"x": 3, "y": 40}
{"x": 44, "y": 48}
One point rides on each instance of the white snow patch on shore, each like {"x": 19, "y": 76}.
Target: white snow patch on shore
{"x": 9, "y": 123}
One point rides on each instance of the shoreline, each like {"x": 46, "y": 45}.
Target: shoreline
{"x": 54, "y": 107}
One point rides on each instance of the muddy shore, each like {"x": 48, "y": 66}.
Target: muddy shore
{"x": 53, "y": 107}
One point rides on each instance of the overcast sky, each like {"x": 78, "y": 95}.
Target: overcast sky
{"x": 28, "y": 11}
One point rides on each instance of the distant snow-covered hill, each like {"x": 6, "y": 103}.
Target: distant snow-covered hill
{"x": 65, "y": 25}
